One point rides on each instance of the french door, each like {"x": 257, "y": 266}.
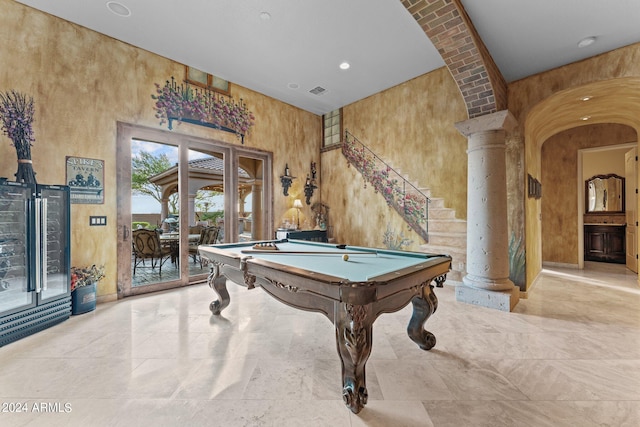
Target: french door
{"x": 196, "y": 183}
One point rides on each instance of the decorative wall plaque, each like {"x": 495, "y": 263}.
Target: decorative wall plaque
{"x": 85, "y": 178}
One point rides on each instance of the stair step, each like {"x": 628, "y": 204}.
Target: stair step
{"x": 436, "y": 203}
{"x": 441, "y": 213}
{"x": 425, "y": 191}
{"x": 445, "y": 238}
{"x": 449, "y": 225}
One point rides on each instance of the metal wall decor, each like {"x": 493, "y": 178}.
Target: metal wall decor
{"x": 534, "y": 188}
{"x": 310, "y": 184}
{"x": 286, "y": 180}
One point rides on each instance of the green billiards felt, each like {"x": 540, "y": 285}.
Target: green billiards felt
{"x": 328, "y": 260}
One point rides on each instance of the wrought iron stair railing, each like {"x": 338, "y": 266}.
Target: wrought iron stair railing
{"x": 411, "y": 203}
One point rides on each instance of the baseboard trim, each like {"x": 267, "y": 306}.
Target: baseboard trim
{"x": 107, "y": 298}
{"x": 560, "y": 265}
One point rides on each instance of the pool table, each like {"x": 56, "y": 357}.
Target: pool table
{"x": 350, "y": 285}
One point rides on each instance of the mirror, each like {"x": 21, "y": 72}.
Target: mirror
{"x": 605, "y": 193}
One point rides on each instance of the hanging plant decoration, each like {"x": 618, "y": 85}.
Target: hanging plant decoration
{"x": 201, "y": 106}
{"x": 16, "y": 112}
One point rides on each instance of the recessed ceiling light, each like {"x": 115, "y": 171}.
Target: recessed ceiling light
{"x": 585, "y": 118}
{"x": 587, "y": 41}
{"x": 118, "y": 8}
{"x": 585, "y": 98}
{"x": 344, "y": 65}
{"x": 293, "y": 85}
{"x": 265, "y": 16}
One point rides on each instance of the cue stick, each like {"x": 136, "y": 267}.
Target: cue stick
{"x": 278, "y": 252}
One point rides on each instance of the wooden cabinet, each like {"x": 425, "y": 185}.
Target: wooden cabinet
{"x": 604, "y": 243}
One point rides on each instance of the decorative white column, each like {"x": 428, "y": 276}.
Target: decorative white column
{"x": 256, "y": 213}
{"x": 487, "y": 281}
{"x": 192, "y": 209}
{"x": 164, "y": 213}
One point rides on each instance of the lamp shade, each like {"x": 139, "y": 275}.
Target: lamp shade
{"x": 297, "y": 203}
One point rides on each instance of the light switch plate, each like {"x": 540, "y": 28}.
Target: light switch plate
{"x": 97, "y": 220}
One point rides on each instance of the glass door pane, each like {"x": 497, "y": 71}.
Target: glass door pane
{"x": 15, "y": 206}
{"x": 206, "y": 205}
{"x": 55, "y": 268}
{"x": 155, "y": 213}
{"x": 251, "y": 221}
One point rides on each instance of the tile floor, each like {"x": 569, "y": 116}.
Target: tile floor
{"x": 568, "y": 356}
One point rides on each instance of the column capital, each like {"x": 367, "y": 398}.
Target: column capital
{"x": 501, "y": 120}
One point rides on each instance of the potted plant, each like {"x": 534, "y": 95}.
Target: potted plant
{"x": 84, "y": 281}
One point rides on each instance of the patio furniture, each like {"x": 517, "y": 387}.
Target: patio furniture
{"x": 147, "y": 246}
{"x": 208, "y": 236}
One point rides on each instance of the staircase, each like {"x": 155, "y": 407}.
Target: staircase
{"x": 427, "y": 216}
{"x": 447, "y": 235}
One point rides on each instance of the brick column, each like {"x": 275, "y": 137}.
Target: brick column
{"x": 487, "y": 281}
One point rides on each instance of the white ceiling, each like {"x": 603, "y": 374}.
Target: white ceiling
{"x": 304, "y": 41}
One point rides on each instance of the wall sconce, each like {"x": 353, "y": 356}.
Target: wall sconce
{"x": 298, "y": 205}
{"x": 310, "y": 184}
{"x": 286, "y": 180}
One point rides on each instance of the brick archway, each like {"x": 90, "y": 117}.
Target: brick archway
{"x": 484, "y": 91}
{"x": 449, "y": 28}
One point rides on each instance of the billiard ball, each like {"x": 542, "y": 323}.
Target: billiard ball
{"x": 345, "y": 257}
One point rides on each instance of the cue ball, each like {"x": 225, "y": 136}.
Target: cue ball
{"x": 345, "y": 257}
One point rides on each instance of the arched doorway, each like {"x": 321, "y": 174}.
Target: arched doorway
{"x": 568, "y": 159}
{"x": 615, "y": 101}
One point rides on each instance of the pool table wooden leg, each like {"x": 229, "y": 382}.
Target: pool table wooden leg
{"x": 424, "y": 305}
{"x": 353, "y": 325}
{"x": 218, "y": 283}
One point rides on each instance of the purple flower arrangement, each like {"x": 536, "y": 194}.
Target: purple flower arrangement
{"x": 17, "y": 111}
{"x": 178, "y": 102}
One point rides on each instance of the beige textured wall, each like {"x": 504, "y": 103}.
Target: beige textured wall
{"x": 83, "y": 83}
{"x": 411, "y": 126}
{"x": 560, "y": 187}
{"x": 604, "y": 162}
{"x": 549, "y": 102}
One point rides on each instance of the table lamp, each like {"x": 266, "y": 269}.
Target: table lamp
{"x": 298, "y": 205}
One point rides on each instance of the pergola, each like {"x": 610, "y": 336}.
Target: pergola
{"x": 206, "y": 174}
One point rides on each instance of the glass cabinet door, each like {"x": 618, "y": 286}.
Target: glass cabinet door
{"x": 55, "y": 242}
{"x": 15, "y": 208}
